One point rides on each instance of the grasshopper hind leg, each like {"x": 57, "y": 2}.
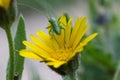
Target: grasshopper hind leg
{"x": 51, "y": 32}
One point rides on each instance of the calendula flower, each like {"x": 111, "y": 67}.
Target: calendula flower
{"x": 56, "y": 50}
{"x": 5, "y": 4}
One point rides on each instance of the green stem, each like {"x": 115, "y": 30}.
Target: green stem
{"x": 117, "y": 73}
{"x": 10, "y": 67}
{"x": 71, "y": 69}
{"x": 66, "y": 77}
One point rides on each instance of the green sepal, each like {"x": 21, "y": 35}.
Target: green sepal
{"x": 68, "y": 71}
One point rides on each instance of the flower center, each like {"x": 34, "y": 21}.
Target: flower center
{"x": 62, "y": 54}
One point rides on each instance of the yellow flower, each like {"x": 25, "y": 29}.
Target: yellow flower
{"x": 58, "y": 50}
{"x": 5, "y": 4}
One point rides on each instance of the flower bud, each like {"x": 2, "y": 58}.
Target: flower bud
{"x": 7, "y": 13}
{"x": 102, "y": 19}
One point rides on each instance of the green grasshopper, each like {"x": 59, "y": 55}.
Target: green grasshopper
{"x": 55, "y": 27}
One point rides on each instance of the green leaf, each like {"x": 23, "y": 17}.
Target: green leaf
{"x": 97, "y": 64}
{"x": 20, "y": 36}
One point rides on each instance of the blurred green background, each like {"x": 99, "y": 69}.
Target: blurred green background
{"x": 100, "y": 59}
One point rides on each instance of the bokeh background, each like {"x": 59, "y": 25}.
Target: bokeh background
{"x": 101, "y": 58}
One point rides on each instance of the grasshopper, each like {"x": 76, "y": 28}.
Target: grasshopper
{"x": 54, "y": 27}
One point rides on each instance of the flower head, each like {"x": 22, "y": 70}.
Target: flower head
{"x": 5, "y": 4}
{"x": 56, "y": 50}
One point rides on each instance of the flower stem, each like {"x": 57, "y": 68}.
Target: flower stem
{"x": 10, "y": 67}
{"x": 117, "y": 73}
{"x": 65, "y": 78}
{"x": 71, "y": 69}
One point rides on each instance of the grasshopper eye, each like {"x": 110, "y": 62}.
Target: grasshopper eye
{"x": 53, "y": 19}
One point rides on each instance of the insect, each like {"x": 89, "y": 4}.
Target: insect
{"x": 16, "y": 76}
{"x": 67, "y": 17}
{"x": 54, "y": 27}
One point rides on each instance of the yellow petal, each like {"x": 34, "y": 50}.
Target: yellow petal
{"x": 71, "y": 55}
{"x": 69, "y": 22}
{"x": 89, "y": 38}
{"x": 68, "y": 33}
{"x": 60, "y": 38}
{"x": 47, "y": 39}
{"x": 84, "y": 42}
{"x": 30, "y": 54}
{"x": 75, "y": 29}
{"x": 5, "y": 3}
{"x": 38, "y": 50}
{"x": 40, "y": 44}
{"x": 55, "y": 64}
{"x": 82, "y": 31}
{"x": 44, "y": 37}
{"x": 62, "y": 20}
{"x": 79, "y": 48}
